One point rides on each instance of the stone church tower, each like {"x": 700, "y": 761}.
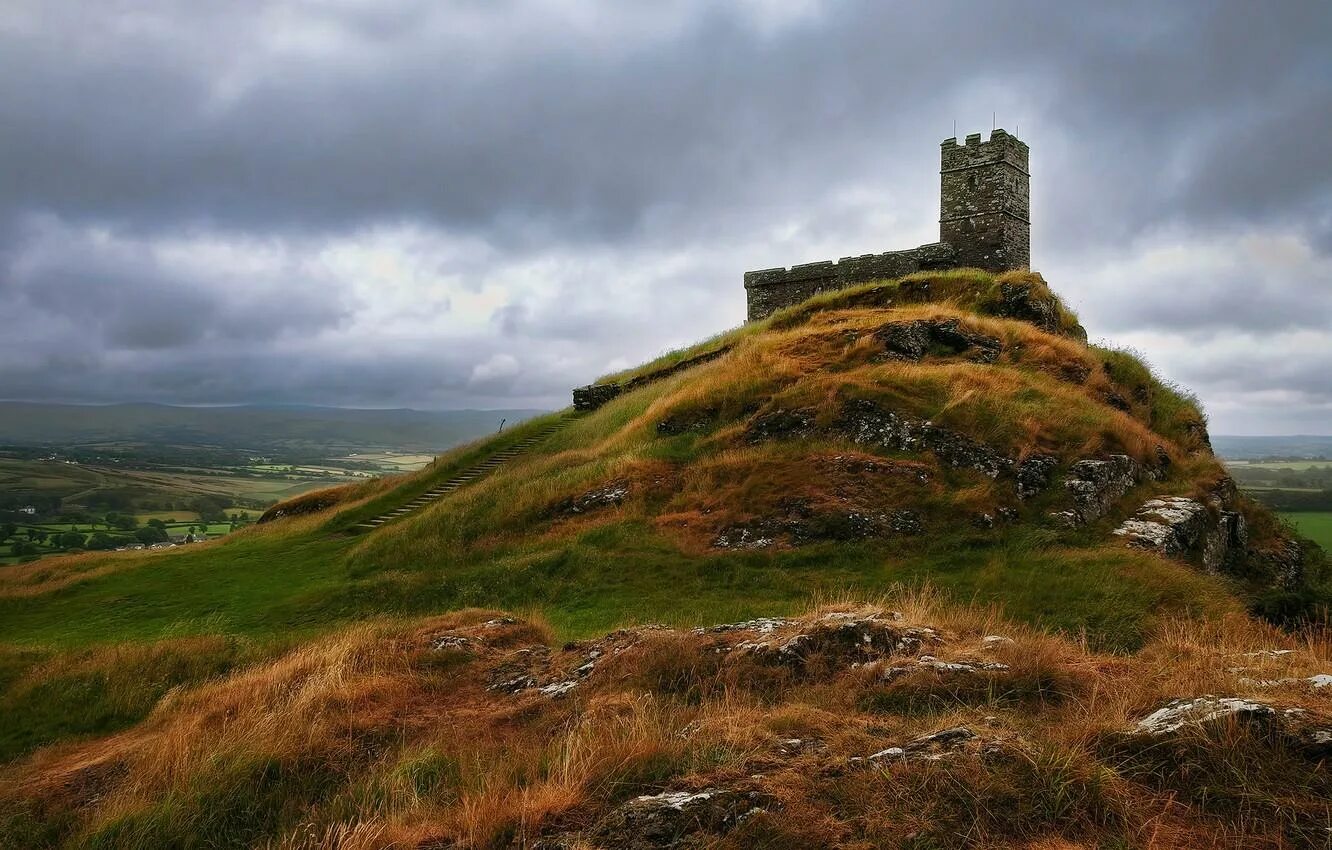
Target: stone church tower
{"x": 985, "y": 202}
{"x": 984, "y": 222}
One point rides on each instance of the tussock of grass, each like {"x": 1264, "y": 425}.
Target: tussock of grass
{"x": 361, "y": 739}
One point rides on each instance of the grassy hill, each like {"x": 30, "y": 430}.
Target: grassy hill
{"x": 295, "y": 684}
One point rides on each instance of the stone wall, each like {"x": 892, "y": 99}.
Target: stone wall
{"x": 984, "y": 222}
{"x": 593, "y": 396}
{"x": 768, "y": 290}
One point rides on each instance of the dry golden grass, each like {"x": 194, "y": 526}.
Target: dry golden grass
{"x": 407, "y": 746}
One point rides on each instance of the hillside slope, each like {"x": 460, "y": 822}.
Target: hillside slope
{"x": 951, "y": 430}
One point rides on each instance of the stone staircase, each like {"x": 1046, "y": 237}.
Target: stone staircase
{"x": 485, "y": 467}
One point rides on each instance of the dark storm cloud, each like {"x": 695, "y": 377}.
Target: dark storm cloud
{"x": 124, "y": 295}
{"x": 602, "y": 173}
{"x": 1206, "y": 110}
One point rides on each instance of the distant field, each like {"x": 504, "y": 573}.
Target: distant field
{"x": 1316, "y": 525}
{"x": 182, "y": 526}
{"x": 73, "y": 482}
{"x": 88, "y": 488}
{"x": 1266, "y": 487}
{"x": 168, "y": 516}
{"x": 1297, "y": 465}
{"x": 392, "y": 460}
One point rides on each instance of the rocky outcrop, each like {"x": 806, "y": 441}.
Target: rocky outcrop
{"x": 1033, "y": 475}
{"x": 1294, "y": 728}
{"x": 610, "y": 494}
{"x": 936, "y": 746}
{"x": 309, "y": 503}
{"x": 781, "y": 425}
{"x": 674, "y": 818}
{"x": 1094, "y": 486}
{"x": 1170, "y": 525}
{"x": 929, "y": 663}
{"x": 1201, "y": 711}
{"x": 845, "y": 639}
{"x": 1023, "y": 302}
{"x": 1283, "y": 561}
{"x": 799, "y": 524}
{"x": 914, "y": 340}
{"x": 689, "y": 421}
{"x": 1177, "y": 526}
{"x": 867, "y": 423}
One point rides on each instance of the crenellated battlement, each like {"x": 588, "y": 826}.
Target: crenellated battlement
{"x": 1001, "y": 148}
{"x": 984, "y": 222}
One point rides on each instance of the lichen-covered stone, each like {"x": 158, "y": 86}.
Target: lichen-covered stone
{"x": 1170, "y": 525}
{"x": 1095, "y": 485}
{"x": 1293, "y": 728}
{"x": 782, "y": 425}
{"x": 865, "y": 422}
{"x": 1033, "y": 475}
{"x": 935, "y": 746}
{"x": 1201, "y": 711}
{"x": 1021, "y": 301}
{"x": 607, "y": 495}
{"x": 692, "y": 421}
{"x": 672, "y": 818}
{"x": 913, "y": 340}
{"x": 1180, "y": 526}
{"x": 843, "y": 639}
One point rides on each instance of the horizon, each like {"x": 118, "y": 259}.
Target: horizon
{"x": 533, "y": 410}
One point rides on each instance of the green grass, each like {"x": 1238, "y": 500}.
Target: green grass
{"x": 1315, "y": 525}
{"x": 238, "y": 587}
{"x": 48, "y": 697}
{"x": 608, "y": 576}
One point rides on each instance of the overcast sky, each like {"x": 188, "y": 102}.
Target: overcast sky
{"x": 482, "y": 203}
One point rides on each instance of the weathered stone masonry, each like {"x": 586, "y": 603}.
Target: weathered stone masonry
{"x": 593, "y": 396}
{"x": 984, "y": 222}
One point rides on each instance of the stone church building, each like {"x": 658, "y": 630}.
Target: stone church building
{"x": 984, "y": 222}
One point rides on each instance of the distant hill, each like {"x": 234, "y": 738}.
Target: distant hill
{"x": 1257, "y": 448}
{"x": 246, "y": 427}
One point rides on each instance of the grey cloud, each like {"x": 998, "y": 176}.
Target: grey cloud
{"x": 124, "y": 296}
{"x": 1198, "y": 297}
{"x": 678, "y": 143}
{"x": 581, "y": 137}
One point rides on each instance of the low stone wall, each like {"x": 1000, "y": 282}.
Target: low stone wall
{"x": 769, "y": 290}
{"x": 593, "y": 396}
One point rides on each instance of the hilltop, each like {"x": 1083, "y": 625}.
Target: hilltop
{"x": 301, "y": 684}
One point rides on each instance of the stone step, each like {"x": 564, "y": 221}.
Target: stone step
{"x": 479, "y": 470}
